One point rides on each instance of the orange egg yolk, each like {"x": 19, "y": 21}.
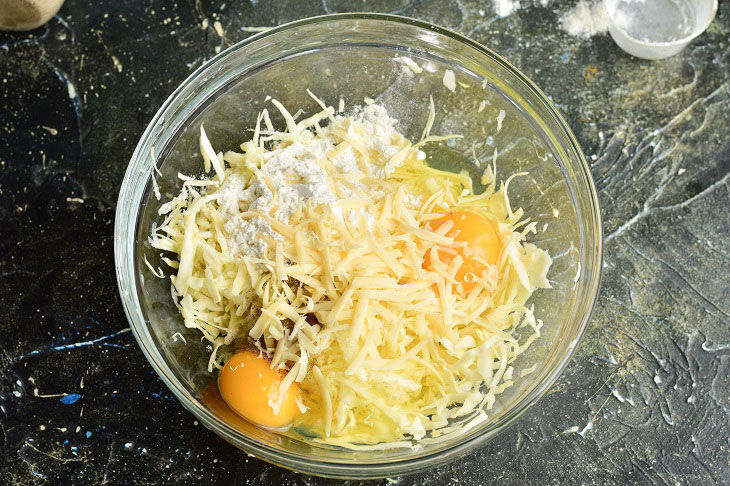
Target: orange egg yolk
{"x": 483, "y": 245}
{"x": 251, "y": 388}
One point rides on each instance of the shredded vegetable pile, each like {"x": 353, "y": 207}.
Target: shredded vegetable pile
{"x": 353, "y": 298}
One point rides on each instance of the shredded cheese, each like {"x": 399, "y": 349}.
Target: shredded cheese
{"x": 386, "y": 352}
{"x": 449, "y": 80}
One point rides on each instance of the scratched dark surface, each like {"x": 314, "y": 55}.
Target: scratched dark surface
{"x": 646, "y": 399}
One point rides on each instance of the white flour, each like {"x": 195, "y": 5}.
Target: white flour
{"x": 354, "y": 218}
{"x": 379, "y": 131}
{"x": 292, "y": 177}
{"x": 245, "y": 235}
{"x": 412, "y": 201}
{"x": 346, "y": 161}
{"x": 504, "y": 8}
{"x": 585, "y": 19}
{"x": 296, "y": 177}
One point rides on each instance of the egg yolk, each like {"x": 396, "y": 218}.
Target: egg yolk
{"x": 482, "y": 245}
{"x": 250, "y": 387}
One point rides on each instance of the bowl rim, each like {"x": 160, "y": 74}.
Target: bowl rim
{"x": 126, "y": 275}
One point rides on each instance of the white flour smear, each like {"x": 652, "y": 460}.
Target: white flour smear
{"x": 504, "y": 8}
{"x": 585, "y": 20}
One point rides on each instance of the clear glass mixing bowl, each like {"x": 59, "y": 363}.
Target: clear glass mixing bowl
{"x": 350, "y": 56}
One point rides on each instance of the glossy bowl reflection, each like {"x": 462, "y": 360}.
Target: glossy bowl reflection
{"x": 350, "y": 56}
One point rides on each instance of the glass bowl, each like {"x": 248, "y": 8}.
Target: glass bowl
{"x": 350, "y": 56}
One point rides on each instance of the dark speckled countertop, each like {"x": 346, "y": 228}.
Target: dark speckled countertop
{"x": 646, "y": 399}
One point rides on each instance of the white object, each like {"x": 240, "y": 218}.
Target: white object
{"x": 585, "y": 19}
{"x": 504, "y": 8}
{"x": 657, "y": 29}
{"x": 450, "y": 80}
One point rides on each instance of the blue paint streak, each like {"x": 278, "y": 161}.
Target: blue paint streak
{"x": 112, "y": 345}
{"x": 79, "y": 345}
{"x": 70, "y": 399}
{"x": 162, "y": 395}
